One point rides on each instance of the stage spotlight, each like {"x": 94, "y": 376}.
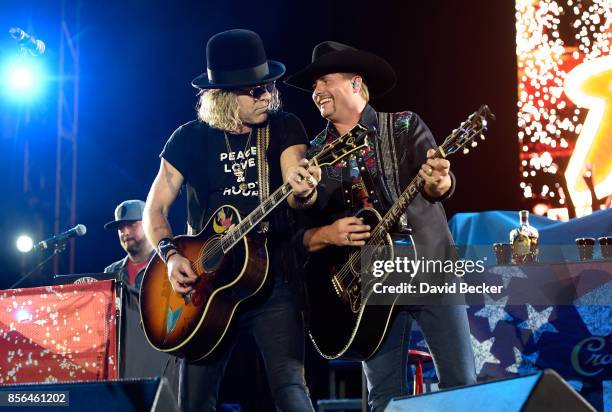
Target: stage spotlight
{"x": 22, "y": 79}
{"x": 24, "y": 243}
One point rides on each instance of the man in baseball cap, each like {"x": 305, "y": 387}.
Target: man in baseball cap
{"x": 128, "y": 222}
{"x": 138, "y": 359}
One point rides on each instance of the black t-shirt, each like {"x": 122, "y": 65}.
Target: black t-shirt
{"x": 209, "y": 168}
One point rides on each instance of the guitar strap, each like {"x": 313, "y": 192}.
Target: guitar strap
{"x": 263, "y": 170}
{"x": 388, "y": 164}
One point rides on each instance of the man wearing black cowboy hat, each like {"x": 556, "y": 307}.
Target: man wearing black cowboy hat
{"x": 222, "y": 159}
{"x": 341, "y": 80}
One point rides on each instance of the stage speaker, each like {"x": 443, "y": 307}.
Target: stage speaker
{"x": 542, "y": 391}
{"x": 154, "y": 395}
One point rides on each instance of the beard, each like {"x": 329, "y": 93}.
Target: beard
{"x": 136, "y": 247}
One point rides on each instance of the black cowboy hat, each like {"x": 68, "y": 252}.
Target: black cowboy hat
{"x": 236, "y": 58}
{"x": 333, "y": 57}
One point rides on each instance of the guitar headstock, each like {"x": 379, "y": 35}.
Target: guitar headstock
{"x": 350, "y": 142}
{"x": 465, "y": 136}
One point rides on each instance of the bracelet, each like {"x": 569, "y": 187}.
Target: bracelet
{"x": 164, "y": 247}
{"x": 171, "y": 253}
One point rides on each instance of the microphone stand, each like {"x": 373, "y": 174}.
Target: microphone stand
{"x": 59, "y": 248}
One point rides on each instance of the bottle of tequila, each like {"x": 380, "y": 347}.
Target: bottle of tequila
{"x": 524, "y": 240}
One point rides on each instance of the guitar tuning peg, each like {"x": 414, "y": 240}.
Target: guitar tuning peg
{"x": 466, "y": 150}
{"x": 474, "y": 144}
{"x": 482, "y": 137}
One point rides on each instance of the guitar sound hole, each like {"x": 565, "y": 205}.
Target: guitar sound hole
{"x": 363, "y": 260}
{"x": 212, "y": 255}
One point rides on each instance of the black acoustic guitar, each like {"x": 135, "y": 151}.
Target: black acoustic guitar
{"x": 232, "y": 265}
{"x": 342, "y": 324}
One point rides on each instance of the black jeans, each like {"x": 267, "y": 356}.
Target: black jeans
{"x": 278, "y": 328}
{"x": 447, "y": 334}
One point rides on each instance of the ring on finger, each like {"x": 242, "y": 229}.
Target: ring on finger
{"x": 311, "y": 181}
{"x": 348, "y": 237}
{"x": 430, "y": 171}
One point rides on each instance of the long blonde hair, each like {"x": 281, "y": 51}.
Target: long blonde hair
{"x": 219, "y": 108}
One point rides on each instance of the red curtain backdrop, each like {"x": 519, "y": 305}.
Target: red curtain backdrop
{"x": 58, "y": 333}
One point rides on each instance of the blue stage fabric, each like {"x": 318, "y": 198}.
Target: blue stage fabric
{"x": 511, "y": 340}
{"x": 574, "y": 340}
{"x": 491, "y": 227}
{"x": 479, "y": 231}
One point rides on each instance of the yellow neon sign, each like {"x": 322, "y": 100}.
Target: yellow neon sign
{"x": 589, "y": 85}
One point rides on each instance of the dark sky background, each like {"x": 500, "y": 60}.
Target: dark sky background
{"x": 138, "y": 58}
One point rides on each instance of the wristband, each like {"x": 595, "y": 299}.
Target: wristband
{"x": 165, "y": 246}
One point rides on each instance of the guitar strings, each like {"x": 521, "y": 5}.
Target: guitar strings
{"x": 218, "y": 246}
{"x": 379, "y": 232}
{"x": 377, "y": 235}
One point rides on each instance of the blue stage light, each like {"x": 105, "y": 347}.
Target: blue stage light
{"x": 22, "y": 79}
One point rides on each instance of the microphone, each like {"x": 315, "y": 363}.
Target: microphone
{"x": 78, "y": 230}
{"x": 30, "y": 43}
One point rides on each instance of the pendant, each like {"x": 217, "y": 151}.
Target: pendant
{"x": 238, "y": 170}
{"x": 243, "y": 187}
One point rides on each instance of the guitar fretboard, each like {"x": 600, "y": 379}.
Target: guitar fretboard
{"x": 465, "y": 132}
{"x": 248, "y": 223}
{"x": 399, "y": 207}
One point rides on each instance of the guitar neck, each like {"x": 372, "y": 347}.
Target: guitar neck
{"x": 248, "y": 223}
{"x": 401, "y": 205}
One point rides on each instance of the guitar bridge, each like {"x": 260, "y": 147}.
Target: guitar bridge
{"x": 337, "y": 285}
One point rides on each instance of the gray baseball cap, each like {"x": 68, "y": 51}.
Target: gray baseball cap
{"x": 127, "y": 211}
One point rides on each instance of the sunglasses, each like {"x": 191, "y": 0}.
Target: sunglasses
{"x": 258, "y": 91}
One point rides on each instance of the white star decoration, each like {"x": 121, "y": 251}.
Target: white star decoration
{"x": 494, "y": 311}
{"x": 507, "y": 273}
{"x": 537, "y": 322}
{"x": 482, "y": 352}
{"x": 523, "y": 363}
{"x": 595, "y": 306}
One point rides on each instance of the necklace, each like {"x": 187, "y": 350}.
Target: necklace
{"x": 237, "y": 168}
